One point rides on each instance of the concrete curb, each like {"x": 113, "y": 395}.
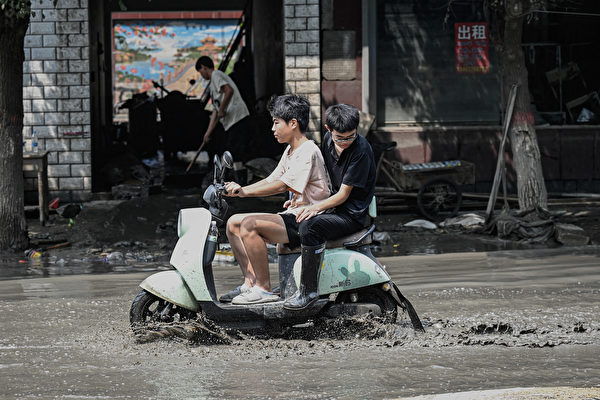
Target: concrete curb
{"x": 552, "y": 393}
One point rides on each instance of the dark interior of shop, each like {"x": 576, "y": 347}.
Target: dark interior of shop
{"x": 561, "y": 50}
{"x": 134, "y": 134}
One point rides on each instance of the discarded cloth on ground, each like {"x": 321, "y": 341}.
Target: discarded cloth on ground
{"x": 535, "y": 225}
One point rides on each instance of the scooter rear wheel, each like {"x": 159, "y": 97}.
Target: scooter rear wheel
{"x": 148, "y": 308}
{"x": 374, "y": 295}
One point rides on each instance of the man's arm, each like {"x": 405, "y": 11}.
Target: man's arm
{"x": 227, "y": 95}
{"x": 339, "y": 198}
{"x": 261, "y": 188}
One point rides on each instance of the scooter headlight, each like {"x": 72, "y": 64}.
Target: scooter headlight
{"x": 210, "y": 195}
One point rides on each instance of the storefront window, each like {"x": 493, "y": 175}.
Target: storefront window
{"x": 419, "y": 78}
{"x": 561, "y": 54}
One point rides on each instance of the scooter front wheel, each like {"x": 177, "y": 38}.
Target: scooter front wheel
{"x": 148, "y": 308}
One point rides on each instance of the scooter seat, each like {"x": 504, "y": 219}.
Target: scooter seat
{"x": 359, "y": 238}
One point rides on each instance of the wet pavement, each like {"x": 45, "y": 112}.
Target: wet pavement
{"x": 502, "y": 319}
{"x": 498, "y": 314}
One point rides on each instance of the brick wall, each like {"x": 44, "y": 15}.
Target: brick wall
{"x": 301, "y": 50}
{"x": 56, "y": 95}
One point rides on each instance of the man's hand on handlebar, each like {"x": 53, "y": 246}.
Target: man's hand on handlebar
{"x": 233, "y": 189}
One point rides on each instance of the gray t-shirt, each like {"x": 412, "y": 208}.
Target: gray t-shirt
{"x": 236, "y": 110}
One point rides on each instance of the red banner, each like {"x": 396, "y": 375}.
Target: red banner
{"x": 471, "y": 47}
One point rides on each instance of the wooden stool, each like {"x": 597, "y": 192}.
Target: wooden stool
{"x": 39, "y": 162}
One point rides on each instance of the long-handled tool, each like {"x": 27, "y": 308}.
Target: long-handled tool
{"x": 500, "y": 164}
{"x": 195, "y": 157}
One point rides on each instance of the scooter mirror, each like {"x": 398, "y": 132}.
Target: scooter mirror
{"x": 227, "y": 160}
{"x": 218, "y": 166}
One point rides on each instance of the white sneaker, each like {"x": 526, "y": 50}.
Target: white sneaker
{"x": 227, "y": 297}
{"x": 255, "y": 296}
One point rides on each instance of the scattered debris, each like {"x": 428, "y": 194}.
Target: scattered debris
{"x": 381, "y": 237}
{"x": 69, "y": 210}
{"x": 531, "y": 226}
{"x": 113, "y": 257}
{"x": 128, "y": 191}
{"x": 224, "y": 256}
{"x": 57, "y": 246}
{"x": 421, "y": 223}
{"x": 32, "y": 253}
{"x": 570, "y": 235}
{"x": 188, "y": 156}
{"x": 54, "y": 204}
{"x": 465, "y": 220}
{"x": 535, "y": 226}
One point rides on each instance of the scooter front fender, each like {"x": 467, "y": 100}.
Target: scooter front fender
{"x": 192, "y": 228}
{"x": 344, "y": 269}
{"x": 169, "y": 285}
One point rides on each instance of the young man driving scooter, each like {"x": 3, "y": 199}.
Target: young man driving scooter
{"x": 300, "y": 171}
{"x": 351, "y": 166}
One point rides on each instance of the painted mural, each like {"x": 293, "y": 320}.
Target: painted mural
{"x": 164, "y": 51}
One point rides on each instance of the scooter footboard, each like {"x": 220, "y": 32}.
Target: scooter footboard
{"x": 170, "y": 286}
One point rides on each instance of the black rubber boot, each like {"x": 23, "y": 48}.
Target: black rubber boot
{"x": 307, "y": 293}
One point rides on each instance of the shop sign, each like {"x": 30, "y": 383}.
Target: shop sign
{"x": 471, "y": 47}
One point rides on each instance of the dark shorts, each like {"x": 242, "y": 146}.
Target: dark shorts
{"x": 291, "y": 227}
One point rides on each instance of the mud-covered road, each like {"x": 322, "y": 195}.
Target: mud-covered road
{"x": 494, "y": 320}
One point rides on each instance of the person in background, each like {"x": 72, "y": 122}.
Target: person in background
{"x": 229, "y": 109}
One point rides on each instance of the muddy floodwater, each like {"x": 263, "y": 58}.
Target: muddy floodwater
{"x": 503, "y": 319}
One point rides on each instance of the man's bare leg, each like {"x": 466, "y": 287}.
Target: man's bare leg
{"x": 237, "y": 246}
{"x": 255, "y": 231}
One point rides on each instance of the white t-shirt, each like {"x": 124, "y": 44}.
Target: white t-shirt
{"x": 236, "y": 109}
{"x": 304, "y": 172}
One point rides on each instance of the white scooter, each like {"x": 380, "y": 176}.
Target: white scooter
{"x": 351, "y": 280}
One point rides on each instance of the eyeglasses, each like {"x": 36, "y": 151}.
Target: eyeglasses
{"x": 344, "y": 140}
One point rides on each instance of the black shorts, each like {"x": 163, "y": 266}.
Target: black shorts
{"x": 291, "y": 227}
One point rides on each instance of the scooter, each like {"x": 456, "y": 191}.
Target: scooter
{"x": 351, "y": 280}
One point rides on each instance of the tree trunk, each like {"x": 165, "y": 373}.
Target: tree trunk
{"x": 523, "y": 139}
{"x": 13, "y": 231}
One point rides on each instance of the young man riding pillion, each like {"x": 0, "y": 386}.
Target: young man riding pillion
{"x": 351, "y": 166}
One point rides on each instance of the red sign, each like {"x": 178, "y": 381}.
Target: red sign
{"x": 471, "y": 47}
